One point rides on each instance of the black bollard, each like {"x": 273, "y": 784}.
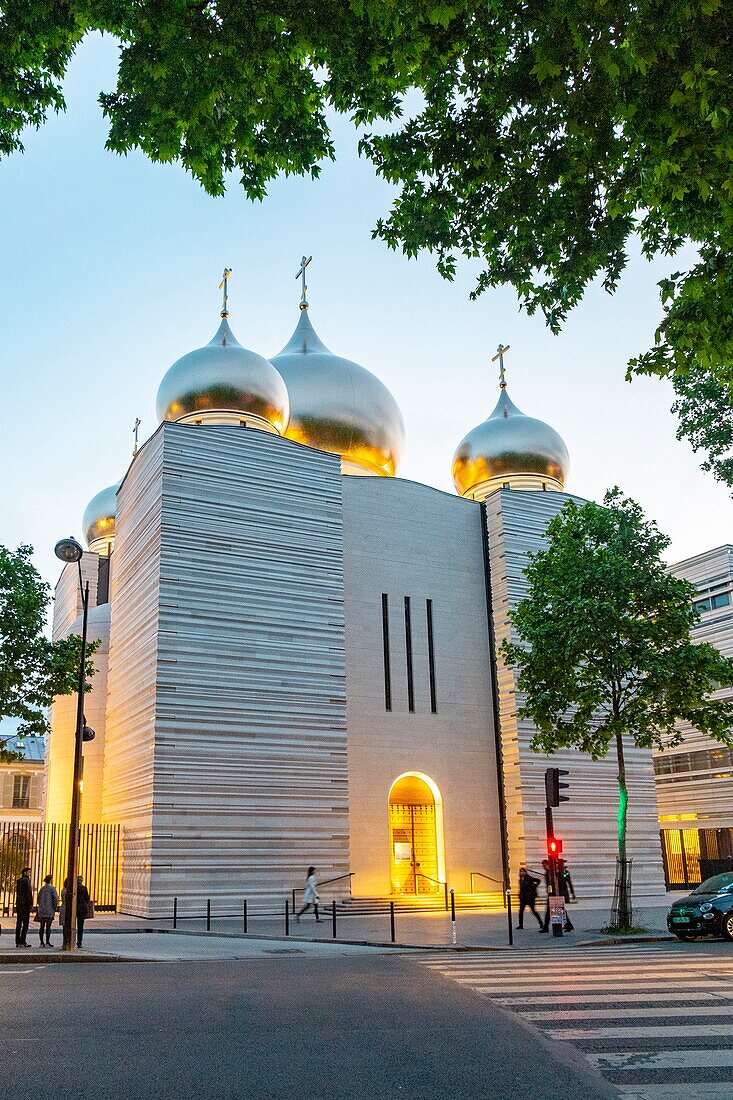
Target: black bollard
{"x": 175, "y": 912}
{"x": 244, "y": 915}
{"x": 287, "y": 918}
{"x": 453, "y": 915}
{"x": 208, "y": 914}
{"x": 509, "y": 917}
{"x": 391, "y": 921}
{"x": 333, "y": 917}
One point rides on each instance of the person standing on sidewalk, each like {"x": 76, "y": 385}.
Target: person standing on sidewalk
{"x": 83, "y": 908}
{"x": 310, "y": 895}
{"x": 48, "y": 903}
{"x": 565, "y": 880}
{"x": 528, "y": 885}
{"x": 563, "y": 893}
{"x": 23, "y": 906}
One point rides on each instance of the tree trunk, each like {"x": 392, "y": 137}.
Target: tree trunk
{"x": 623, "y": 801}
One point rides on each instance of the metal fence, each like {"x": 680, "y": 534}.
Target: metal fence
{"x": 44, "y": 847}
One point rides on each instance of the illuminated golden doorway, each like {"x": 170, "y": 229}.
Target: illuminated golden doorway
{"x": 416, "y": 836}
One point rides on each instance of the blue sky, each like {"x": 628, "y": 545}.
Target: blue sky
{"x": 110, "y": 273}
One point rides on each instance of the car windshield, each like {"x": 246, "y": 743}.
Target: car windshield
{"x": 718, "y": 884}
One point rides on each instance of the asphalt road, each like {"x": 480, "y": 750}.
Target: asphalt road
{"x": 361, "y": 1026}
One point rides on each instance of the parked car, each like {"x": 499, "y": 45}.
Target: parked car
{"x": 707, "y": 911}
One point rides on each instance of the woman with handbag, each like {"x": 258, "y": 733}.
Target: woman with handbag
{"x": 48, "y": 903}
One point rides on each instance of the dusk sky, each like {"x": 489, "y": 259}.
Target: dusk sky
{"x": 110, "y": 273}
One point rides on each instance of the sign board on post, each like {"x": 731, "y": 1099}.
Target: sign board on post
{"x": 557, "y": 909}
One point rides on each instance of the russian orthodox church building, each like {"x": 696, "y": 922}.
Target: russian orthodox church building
{"x": 299, "y": 652}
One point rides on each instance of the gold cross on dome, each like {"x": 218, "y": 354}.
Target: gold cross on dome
{"x": 300, "y": 274}
{"x": 500, "y": 353}
{"x": 224, "y": 285}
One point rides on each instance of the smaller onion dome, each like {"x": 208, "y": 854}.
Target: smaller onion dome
{"x": 510, "y": 450}
{"x": 224, "y": 383}
{"x": 99, "y": 520}
{"x": 338, "y": 406}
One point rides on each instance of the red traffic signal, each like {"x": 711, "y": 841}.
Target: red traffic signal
{"x": 554, "y": 846}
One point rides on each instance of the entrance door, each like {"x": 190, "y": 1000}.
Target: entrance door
{"x": 413, "y": 837}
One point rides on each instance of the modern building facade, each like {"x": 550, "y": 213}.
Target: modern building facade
{"x": 695, "y": 779}
{"x": 298, "y": 660}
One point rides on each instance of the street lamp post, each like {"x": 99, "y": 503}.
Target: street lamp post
{"x": 69, "y": 550}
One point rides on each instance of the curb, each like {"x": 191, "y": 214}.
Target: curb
{"x": 7, "y": 959}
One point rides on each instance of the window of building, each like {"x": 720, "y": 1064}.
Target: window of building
{"x": 21, "y": 792}
{"x": 711, "y": 603}
{"x": 385, "y": 653}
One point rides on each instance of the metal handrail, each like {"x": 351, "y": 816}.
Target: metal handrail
{"x": 337, "y": 878}
{"x": 349, "y": 874}
{"x": 437, "y": 881}
{"x": 481, "y": 874}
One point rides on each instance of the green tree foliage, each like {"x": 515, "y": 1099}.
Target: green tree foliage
{"x": 605, "y": 654}
{"x": 706, "y": 419}
{"x": 33, "y": 670}
{"x": 548, "y": 133}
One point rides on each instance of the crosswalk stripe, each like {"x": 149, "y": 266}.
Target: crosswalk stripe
{"x": 664, "y": 1059}
{"x": 684, "y": 995}
{"x": 558, "y": 980}
{"x": 659, "y": 1031}
{"x": 703, "y": 1090}
{"x": 636, "y": 1013}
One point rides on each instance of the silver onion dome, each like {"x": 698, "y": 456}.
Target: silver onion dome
{"x": 509, "y": 449}
{"x": 338, "y": 406}
{"x": 99, "y": 519}
{"x": 224, "y": 383}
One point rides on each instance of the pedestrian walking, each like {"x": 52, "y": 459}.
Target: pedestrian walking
{"x": 23, "y": 906}
{"x": 48, "y": 903}
{"x": 83, "y": 908}
{"x": 310, "y": 895}
{"x": 528, "y": 886}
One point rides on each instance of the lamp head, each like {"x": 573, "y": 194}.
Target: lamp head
{"x": 68, "y": 550}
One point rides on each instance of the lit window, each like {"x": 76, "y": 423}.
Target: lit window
{"x": 21, "y": 792}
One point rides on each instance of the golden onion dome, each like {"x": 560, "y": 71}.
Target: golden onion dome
{"x": 99, "y": 520}
{"x": 224, "y": 383}
{"x": 338, "y": 406}
{"x": 509, "y": 450}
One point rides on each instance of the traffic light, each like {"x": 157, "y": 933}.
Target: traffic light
{"x": 553, "y": 786}
{"x": 554, "y": 847}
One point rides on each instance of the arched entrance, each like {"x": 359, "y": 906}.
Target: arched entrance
{"x": 416, "y": 851}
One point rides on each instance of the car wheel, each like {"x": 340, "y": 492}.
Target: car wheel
{"x": 727, "y": 926}
{"x": 687, "y": 938}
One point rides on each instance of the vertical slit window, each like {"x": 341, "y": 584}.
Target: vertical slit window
{"x": 431, "y": 658}
{"x": 385, "y": 651}
{"x": 408, "y": 650}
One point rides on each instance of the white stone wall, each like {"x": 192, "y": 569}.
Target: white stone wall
{"x": 238, "y": 741}
{"x": 587, "y": 823}
{"x": 406, "y": 539}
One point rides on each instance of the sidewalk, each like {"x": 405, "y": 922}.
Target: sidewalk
{"x": 473, "y": 929}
